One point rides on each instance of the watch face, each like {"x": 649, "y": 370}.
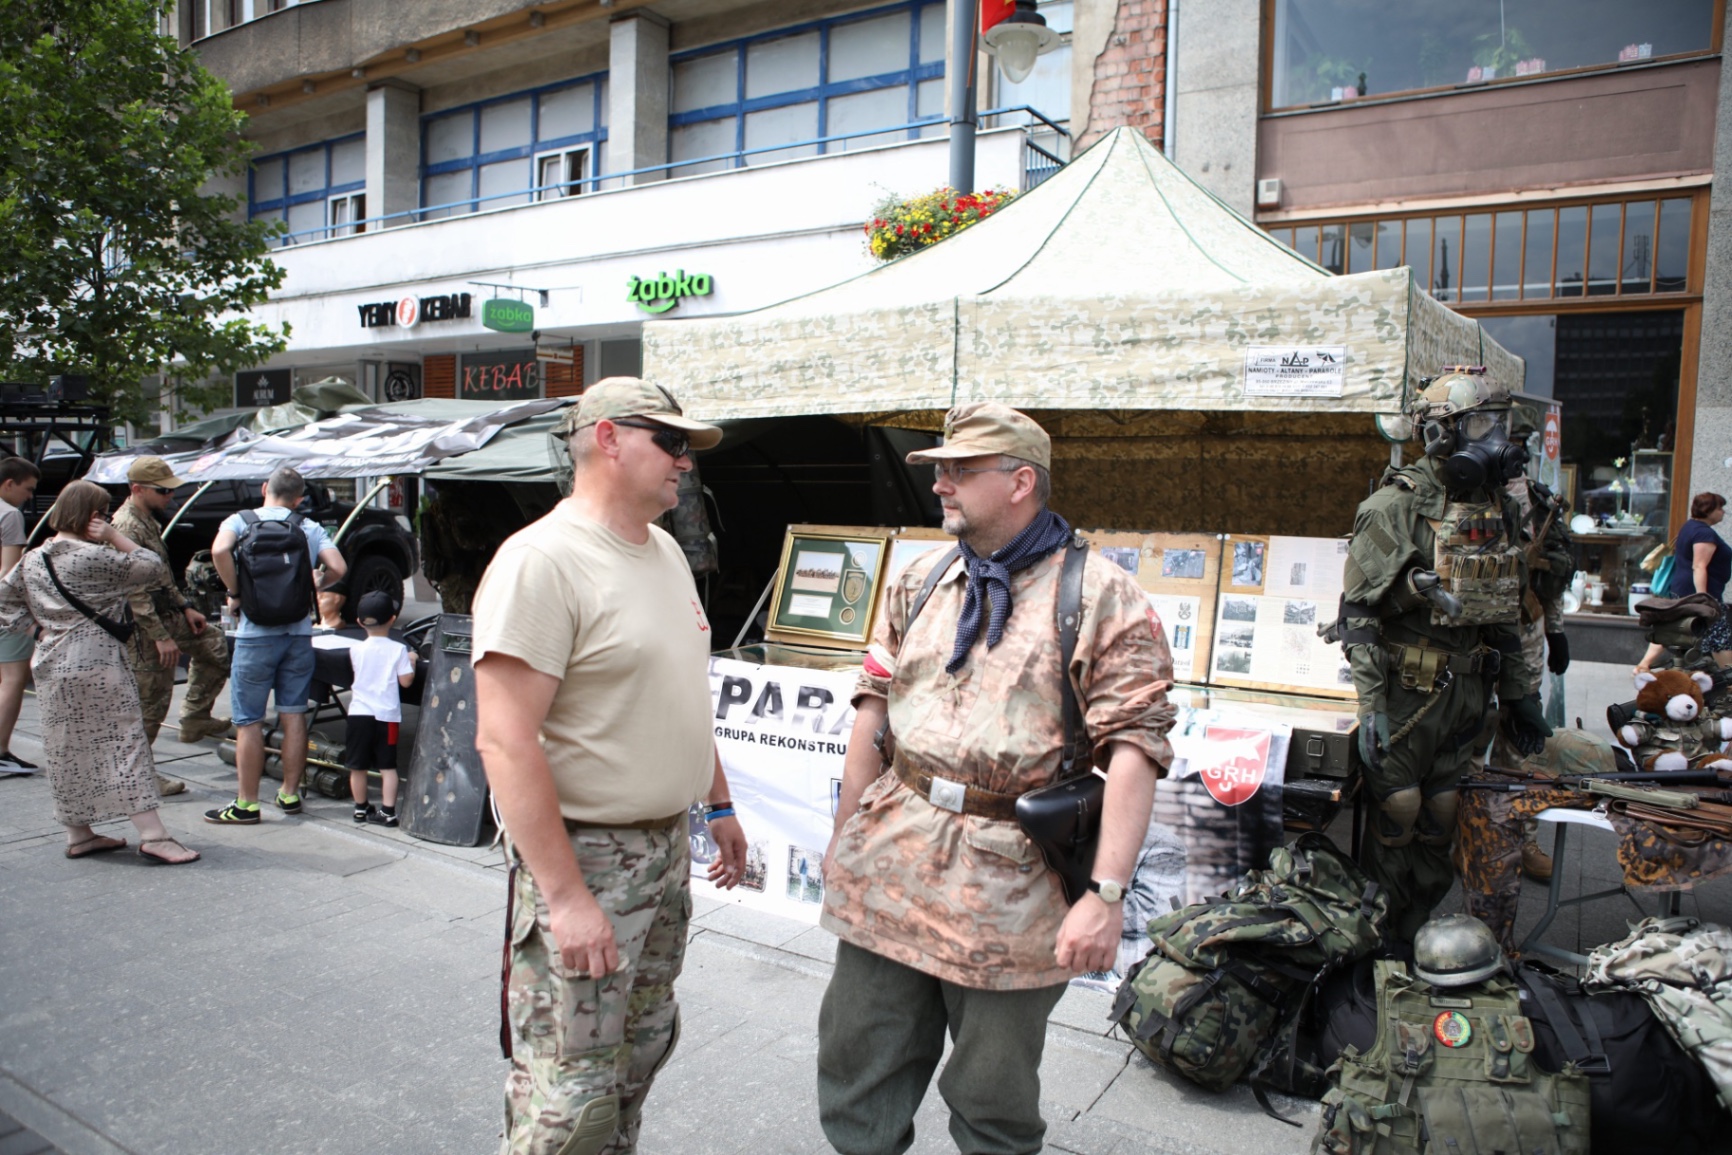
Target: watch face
{"x": 1110, "y": 891}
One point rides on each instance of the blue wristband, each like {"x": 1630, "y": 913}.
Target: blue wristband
{"x": 724, "y": 812}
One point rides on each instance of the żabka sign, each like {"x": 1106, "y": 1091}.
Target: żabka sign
{"x": 661, "y": 292}
{"x": 407, "y": 312}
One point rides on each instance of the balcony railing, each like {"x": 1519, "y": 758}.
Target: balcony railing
{"x": 1046, "y": 149}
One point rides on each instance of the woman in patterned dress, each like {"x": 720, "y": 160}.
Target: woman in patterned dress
{"x": 99, "y": 766}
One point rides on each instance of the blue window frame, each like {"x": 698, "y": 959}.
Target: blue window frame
{"x": 537, "y": 143}
{"x": 318, "y": 189}
{"x": 882, "y": 68}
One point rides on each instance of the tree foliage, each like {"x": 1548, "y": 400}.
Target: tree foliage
{"x": 117, "y": 257}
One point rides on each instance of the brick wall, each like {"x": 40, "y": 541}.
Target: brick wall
{"x": 1130, "y": 74}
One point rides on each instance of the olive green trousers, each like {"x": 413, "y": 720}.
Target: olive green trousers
{"x": 881, "y": 1034}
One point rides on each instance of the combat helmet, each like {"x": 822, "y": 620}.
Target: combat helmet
{"x": 1456, "y": 390}
{"x": 1456, "y": 950}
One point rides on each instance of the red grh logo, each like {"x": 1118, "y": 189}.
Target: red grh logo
{"x": 1235, "y": 762}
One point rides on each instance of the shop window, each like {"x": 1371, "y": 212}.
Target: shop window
{"x": 506, "y": 151}
{"x": 1625, "y": 248}
{"x": 316, "y": 190}
{"x": 1329, "y": 51}
{"x": 876, "y": 73}
{"x": 622, "y": 358}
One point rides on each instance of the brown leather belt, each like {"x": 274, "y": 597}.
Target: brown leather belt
{"x": 955, "y": 796}
{"x": 574, "y": 825}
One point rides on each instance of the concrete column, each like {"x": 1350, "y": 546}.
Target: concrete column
{"x": 637, "y": 95}
{"x": 1711, "y": 456}
{"x": 1214, "y": 127}
{"x": 393, "y": 150}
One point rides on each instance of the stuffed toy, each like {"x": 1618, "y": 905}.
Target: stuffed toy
{"x": 1670, "y": 730}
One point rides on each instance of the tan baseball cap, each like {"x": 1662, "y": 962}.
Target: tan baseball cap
{"x": 153, "y": 471}
{"x": 987, "y": 427}
{"x": 612, "y": 398}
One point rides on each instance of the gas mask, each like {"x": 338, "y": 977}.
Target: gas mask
{"x": 1477, "y": 454}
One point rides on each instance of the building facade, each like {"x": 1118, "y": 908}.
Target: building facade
{"x": 1544, "y": 166}
{"x": 486, "y": 200}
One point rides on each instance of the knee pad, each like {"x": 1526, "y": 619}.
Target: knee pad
{"x": 595, "y": 1125}
{"x": 1392, "y": 824}
{"x": 1436, "y": 825}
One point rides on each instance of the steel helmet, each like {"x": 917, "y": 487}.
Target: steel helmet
{"x": 1456, "y": 950}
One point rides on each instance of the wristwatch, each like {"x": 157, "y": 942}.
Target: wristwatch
{"x": 1109, "y": 890}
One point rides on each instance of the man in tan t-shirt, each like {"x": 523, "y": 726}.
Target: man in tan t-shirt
{"x": 594, "y": 725}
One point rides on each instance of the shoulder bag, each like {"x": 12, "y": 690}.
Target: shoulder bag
{"x": 120, "y": 631}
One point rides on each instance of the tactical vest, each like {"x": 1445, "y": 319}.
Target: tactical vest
{"x": 1452, "y": 1070}
{"x": 1480, "y": 561}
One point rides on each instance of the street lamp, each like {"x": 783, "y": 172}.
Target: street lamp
{"x": 1016, "y": 38}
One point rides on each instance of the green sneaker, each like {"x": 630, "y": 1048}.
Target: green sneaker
{"x": 234, "y": 814}
{"x": 288, "y": 803}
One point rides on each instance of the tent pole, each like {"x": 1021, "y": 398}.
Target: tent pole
{"x": 962, "y": 106}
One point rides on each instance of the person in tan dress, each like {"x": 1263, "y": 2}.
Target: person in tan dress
{"x": 99, "y": 766}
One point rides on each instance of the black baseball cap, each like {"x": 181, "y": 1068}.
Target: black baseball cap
{"x": 377, "y": 607}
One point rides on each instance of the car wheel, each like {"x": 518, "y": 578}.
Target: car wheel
{"x": 374, "y": 572}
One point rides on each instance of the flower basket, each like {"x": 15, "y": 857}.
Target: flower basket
{"x": 900, "y": 227}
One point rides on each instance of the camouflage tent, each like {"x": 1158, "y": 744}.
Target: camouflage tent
{"x": 1118, "y": 284}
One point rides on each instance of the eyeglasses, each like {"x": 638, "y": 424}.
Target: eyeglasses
{"x": 672, "y": 442}
{"x": 944, "y": 471}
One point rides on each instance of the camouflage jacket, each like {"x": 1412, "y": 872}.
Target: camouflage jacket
{"x": 1392, "y": 534}
{"x": 150, "y": 607}
{"x": 969, "y": 899}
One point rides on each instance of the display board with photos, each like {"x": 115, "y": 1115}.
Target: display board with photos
{"x": 1179, "y": 573}
{"x": 827, "y": 586}
{"x": 1274, "y": 592}
{"x": 909, "y": 544}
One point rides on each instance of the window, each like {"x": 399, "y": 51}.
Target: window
{"x": 317, "y": 190}
{"x": 1612, "y": 248}
{"x": 1326, "y": 51}
{"x": 541, "y": 144}
{"x": 864, "y": 78}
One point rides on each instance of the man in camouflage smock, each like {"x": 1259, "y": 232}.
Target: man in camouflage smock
{"x": 593, "y": 720}
{"x": 167, "y": 625}
{"x": 1433, "y": 582}
{"x": 947, "y": 914}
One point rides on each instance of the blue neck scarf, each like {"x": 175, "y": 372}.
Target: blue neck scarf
{"x": 989, "y": 582}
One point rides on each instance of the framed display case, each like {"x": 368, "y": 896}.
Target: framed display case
{"x": 828, "y": 585}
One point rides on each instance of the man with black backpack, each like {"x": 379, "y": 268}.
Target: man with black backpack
{"x": 267, "y": 559}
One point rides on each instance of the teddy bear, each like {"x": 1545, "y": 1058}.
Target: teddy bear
{"x": 1670, "y": 731}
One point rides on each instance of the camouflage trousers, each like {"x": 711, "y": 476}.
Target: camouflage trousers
{"x": 207, "y": 670}
{"x": 1488, "y": 851}
{"x": 585, "y": 1050}
{"x": 1413, "y": 798}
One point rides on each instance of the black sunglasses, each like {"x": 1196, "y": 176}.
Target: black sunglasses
{"x": 672, "y": 442}
{"x": 160, "y": 490}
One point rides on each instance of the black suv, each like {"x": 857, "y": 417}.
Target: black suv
{"x": 380, "y": 550}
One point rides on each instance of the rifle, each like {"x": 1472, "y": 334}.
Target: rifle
{"x": 1638, "y": 787}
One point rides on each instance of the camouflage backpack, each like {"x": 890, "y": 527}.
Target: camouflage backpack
{"x": 205, "y": 590}
{"x": 1225, "y": 981}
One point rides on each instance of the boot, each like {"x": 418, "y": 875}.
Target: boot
{"x": 1536, "y": 863}
{"x": 194, "y": 727}
{"x": 167, "y": 786}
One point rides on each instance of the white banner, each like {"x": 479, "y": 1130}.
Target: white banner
{"x": 782, "y": 733}
{"x": 1295, "y": 371}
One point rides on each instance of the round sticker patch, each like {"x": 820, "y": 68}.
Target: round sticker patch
{"x": 1452, "y": 1029}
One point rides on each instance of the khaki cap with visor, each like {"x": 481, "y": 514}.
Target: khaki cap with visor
{"x": 614, "y": 398}
{"x": 153, "y": 471}
{"x": 984, "y": 428}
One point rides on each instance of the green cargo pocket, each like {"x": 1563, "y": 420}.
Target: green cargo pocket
{"x": 1410, "y": 1054}
{"x": 1509, "y": 1041}
{"x": 1471, "y": 1118}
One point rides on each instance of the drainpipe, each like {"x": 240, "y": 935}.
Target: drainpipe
{"x": 1170, "y": 114}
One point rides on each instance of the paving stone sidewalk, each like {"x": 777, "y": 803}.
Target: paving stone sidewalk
{"x": 311, "y": 986}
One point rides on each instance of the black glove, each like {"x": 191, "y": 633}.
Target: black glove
{"x": 1525, "y": 723}
{"x": 1557, "y": 652}
{"x": 1373, "y": 739}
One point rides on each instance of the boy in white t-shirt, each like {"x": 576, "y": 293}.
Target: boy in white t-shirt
{"x": 381, "y": 666}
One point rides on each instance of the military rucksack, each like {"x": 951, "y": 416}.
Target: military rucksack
{"x": 1225, "y": 981}
{"x": 1451, "y": 1070}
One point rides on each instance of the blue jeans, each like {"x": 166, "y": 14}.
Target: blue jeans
{"x": 280, "y": 662}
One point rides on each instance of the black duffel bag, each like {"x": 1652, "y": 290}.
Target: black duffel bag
{"x": 1649, "y": 1096}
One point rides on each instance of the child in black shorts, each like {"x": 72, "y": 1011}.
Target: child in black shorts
{"x": 382, "y": 668}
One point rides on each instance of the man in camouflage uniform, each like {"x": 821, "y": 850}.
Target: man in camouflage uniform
{"x": 947, "y": 914}
{"x": 167, "y": 626}
{"x": 594, "y": 724}
{"x": 1434, "y": 580}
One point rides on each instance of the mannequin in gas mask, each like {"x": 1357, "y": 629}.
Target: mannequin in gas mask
{"x": 1431, "y": 621}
